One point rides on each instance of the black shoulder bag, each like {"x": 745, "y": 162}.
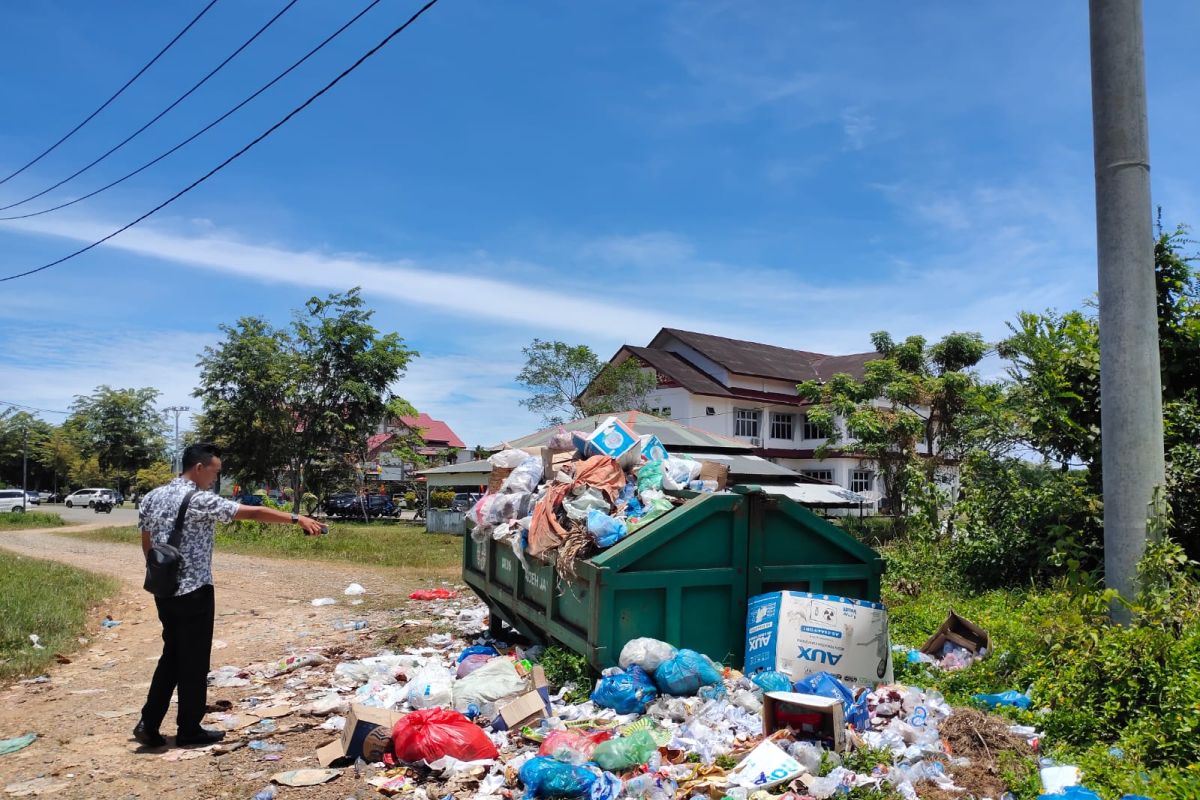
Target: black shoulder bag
{"x": 163, "y": 560}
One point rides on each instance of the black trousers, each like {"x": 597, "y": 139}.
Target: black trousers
{"x": 187, "y": 622}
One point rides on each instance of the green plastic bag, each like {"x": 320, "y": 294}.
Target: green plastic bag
{"x": 657, "y": 507}
{"x": 625, "y": 752}
{"x": 650, "y": 476}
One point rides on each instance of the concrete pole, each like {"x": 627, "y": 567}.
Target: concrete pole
{"x": 25, "y": 467}
{"x": 1131, "y": 430}
{"x": 176, "y": 461}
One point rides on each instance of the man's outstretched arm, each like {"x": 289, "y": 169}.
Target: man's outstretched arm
{"x": 265, "y": 514}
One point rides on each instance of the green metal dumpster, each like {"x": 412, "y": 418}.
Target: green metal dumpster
{"x": 684, "y": 578}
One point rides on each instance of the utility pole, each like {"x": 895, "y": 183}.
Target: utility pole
{"x": 176, "y": 461}
{"x": 1131, "y": 431}
{"x": 25, "y": 467}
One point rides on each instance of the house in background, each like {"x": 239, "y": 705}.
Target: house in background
{"x": 439, "y": 445}
{"x": 747, "y": 391}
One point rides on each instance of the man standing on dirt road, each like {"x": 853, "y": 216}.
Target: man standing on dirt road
{"x": 187, "y": 618}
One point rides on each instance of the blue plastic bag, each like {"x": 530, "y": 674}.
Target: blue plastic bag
{"x": 626, "y": 693}
{"x": 545, "y": 777}
{"x": 1009, "y": 698}
{"x": 1074, "y": 793}
{"x": 770, "y": 680}
{"x": 605, "y": 529}
{"x": 683, "y": 675}
{"x": 607, "y": 787}
{"x": 477, "y": 650}
{"x": 826, "y": 685}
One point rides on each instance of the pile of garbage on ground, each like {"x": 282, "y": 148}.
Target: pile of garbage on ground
{"x": 584, "y": 493}
{"x": 461, "y": 715}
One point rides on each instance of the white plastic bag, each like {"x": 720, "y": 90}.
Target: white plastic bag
{"x": 494, "y": 681}
{"x": 525, "y": 477}
{"x": 678, "y": 472}
{"x": 431, "y": 688}
{"x": 508, "y": 459}
{"x": 646, "y": 653}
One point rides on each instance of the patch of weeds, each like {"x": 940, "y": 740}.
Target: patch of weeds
{"x": 563, "y": 666}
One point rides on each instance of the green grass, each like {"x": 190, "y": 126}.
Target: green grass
{"x": 387, "y": 545}
{"x": 46, "y": 598}
{"x": 30, "y": 519}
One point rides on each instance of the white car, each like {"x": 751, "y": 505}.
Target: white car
{"x": 84, "y": 497}
{"x": 12, "y": 501}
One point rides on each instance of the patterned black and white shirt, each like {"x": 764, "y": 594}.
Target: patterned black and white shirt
{"x": 157, "y": 512}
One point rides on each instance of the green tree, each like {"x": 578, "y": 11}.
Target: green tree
{"x": 570, "y": 381}
{"x": 304, "y": 399}
{"x": 913, "y": 413}
{"x": 121, "y": 428}
{"x": 20, "y": 434}
{"x": 153, "y": 476}
{"x": 58, "y": 453}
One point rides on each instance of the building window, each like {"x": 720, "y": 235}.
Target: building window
{"x": 861, "y": 480}
{"x": 783, "y": 426}
{"x": 818, "y": 474}
{"x": 664, "y": 412}
{"x": 814, "y": 431}
{"x": 746, "y": 422}
{"x": 710, "y": 412}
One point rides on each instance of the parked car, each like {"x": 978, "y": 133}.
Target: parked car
{"x": 463, "y": 501}
{"x": 249, "y": 499}
{"x": 348, "y": 504}
{"x": 84, "y": 497}
{"x": 34, "y": 497}
{"x": 12, "y": 501}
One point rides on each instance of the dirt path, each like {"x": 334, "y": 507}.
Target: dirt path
{"x": 84, "y": 714}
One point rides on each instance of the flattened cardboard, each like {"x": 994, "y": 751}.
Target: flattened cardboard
{"x": 786, "y": 710}
{"x": 715, "y": 471}
{"x": 962, "y": 632}
{"x": 366, "y": 727}
{"x": 532, "y": 705}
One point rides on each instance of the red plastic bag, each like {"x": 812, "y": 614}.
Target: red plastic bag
{"x": 433, "y": 594}
{"x": 431, "y": 733}
{"x": 563, "y": 744}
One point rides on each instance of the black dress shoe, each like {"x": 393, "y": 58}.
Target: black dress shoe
{"x": 148, "y": 737}
{"x": 200, "y": 736}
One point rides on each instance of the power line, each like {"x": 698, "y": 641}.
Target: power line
{"x": 117, "y": 94}
{"x": 158, "y": 116}
{"x": 207, "y": 127}
{"x": 236, "y": 155}
{"x": 31, "y": 408}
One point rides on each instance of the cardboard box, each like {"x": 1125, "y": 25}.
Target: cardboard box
{"x": 653, "y": 449}
{"x": 368, "y": 733}
{"x": 811, "y": 715}
{"x": 555, "y": 460}
{"x": 497, "y": 477}
{"x": 962, "y": 632}
{"x": 525, "y": 709}
{"x": 799, "y": 633}
{"x": 715, "y": 471}
{"x": 766, "y": 766}
{"x": 612, "y": 438}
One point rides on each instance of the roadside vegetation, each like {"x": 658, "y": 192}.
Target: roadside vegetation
{"x": 30, "y": 519}
{"x": 402, "y": 544}
{"x": 46, "y": 599}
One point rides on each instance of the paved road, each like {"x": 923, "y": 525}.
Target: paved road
{"x": 126, "y": 515}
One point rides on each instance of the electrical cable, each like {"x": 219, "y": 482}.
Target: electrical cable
{"x": 159, "y": 115}
{"x": 31, "y": 408}
{"x": 206, "y": 128}
{"x": 104, "y": 105}
{"x": 236, "y": 155}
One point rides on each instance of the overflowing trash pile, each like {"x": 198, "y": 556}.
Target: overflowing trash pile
{"x": 583, "y": 493}
{"x": 461, "y": 715}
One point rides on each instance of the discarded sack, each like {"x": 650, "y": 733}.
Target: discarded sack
{"x": 494, "y": 681}
{"x": 683, "y": 675}
{"x": 626, "y": 692}
{"x": 1009, "y": 698}
{"x": 433, "y": 733}
{"x": 771, "y": 681}
{"x": 571, "y": 746}
{"x": 545, "y": 777}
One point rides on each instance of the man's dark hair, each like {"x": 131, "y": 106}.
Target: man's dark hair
{"x": 199, "y": 453}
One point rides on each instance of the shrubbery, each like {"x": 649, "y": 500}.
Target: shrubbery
{"x": 441, "y": 499}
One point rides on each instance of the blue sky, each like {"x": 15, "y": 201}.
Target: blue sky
{"x": 799, "y": 173}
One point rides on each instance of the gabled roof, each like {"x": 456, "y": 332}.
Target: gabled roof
{"x": 688, "y": 375}
{"x": 766, "y": 360}
{"x": 433, "y": 431}
{"x": 673, "y": 435}
{"x": 377, "y": 440}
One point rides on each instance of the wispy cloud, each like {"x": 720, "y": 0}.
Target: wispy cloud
{"x": 857, "y": 125}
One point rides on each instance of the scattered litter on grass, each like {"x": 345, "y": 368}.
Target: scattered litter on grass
{"x": 324, "y": 601}
{"x": 354, "y": 589}
{"x": 433, "y": 594}
{"x": 17, "y": 743}
{"x": 305, "y": 777}
{"x": 109, "y": 622}
{"x": 36, "y": 641}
